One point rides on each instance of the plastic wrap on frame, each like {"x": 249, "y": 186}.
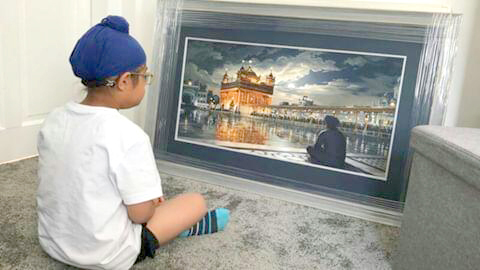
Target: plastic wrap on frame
{"x": 437, "y": 33}
{"x": 434, "y": 75}
{"x": 435, "y": 70}
{"x": 167, "y": 30}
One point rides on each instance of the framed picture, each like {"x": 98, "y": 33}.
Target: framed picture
{"x": 274, "y": 101}
{"x": 295, "y": 107}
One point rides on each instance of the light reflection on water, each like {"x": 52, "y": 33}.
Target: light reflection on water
{"x": 227, "y": 127}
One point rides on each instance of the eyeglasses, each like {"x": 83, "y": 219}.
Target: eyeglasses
{"x": 147, "y": 76}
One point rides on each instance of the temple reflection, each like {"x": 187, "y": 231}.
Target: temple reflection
{"x": 219, "y": 126}
{"x": 367, "y": 149}
{"x": 241, "y": 131}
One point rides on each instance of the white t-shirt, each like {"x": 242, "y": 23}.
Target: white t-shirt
{"x": 92, "y": 163}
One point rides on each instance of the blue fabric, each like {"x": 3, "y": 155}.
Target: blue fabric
{"x": 207, "y": 224}
{"x": 332, "y": 121}
{"x": 106, "y": 50}
{"x": 223, "y": 215}
{"x": 330, "y": 149}
{"x": 149, "y": 244}
{"x": 214, "y": 221}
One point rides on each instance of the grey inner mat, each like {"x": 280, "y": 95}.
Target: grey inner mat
{"x": 263, "y": 233}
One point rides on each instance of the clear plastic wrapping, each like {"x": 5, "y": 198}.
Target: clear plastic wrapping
{"x": 435, "y": 70}
{"x": 424, "y": 43}
{"x": 167, "y": 30}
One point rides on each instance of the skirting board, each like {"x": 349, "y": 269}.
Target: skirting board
{"x": 370, "y": 213}
{"x": 18, "y": 159}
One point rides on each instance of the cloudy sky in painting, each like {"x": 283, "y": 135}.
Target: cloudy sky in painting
{"x": 329, "y": 78}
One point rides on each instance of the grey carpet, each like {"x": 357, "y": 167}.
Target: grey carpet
{"x": 264, "y": 233}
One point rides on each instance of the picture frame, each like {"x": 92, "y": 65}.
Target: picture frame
{"x": 362, "y": 90}
{"x": 361, "y": 38}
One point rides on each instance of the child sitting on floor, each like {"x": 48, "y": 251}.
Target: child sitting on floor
{"x": 100, "y": 201}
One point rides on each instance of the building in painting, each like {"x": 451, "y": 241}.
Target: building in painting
{"x": 194, "y": 94}
{"x": 305, "y": 101}
{"x": 200, "y": 100}
{"x": 247, "y": 93}
{"x": 189, "y": 92}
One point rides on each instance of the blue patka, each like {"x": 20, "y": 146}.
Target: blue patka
{"x": 106, "y": 50}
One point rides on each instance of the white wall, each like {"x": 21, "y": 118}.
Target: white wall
{"x": 463, "y": 108}
{"x": 398, "y": 5}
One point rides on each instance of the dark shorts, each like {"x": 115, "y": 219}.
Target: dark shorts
{"x": 149, "y": 244}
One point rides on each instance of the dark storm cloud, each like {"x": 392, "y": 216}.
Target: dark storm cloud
{"x": 356, "y": 78}
{"x": 212, "y": 55}
{"x": 204, "y": 56}
{"x": 375, "y": 77}
{"x": 200, "y": 75}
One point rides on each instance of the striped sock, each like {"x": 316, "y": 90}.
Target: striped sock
{"x": 214, "y": 221}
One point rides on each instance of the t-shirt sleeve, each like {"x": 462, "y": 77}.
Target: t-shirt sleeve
{"x": 137, "y": 176}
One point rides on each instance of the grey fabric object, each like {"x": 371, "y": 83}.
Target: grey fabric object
{"x": 441, "y": 219}
{"x": 263, "y": 233}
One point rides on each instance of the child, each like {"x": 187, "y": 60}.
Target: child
{"x": 100, "y": 202}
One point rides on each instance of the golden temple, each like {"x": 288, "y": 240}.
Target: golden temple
{"x": 247, "y": 92}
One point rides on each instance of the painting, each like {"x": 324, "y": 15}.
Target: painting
{"x": 316, "y": 107}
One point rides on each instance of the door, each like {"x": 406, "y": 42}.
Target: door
{"x": 36, "y": 39}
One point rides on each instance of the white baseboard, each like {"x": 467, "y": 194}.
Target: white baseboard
{"x": 18, "y": 159}
{"x": 357, "y": 210}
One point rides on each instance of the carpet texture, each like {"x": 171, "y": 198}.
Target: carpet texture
{"x": 263, "y": 233}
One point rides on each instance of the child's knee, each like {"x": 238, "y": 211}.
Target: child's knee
{"x": 199, "y": 201}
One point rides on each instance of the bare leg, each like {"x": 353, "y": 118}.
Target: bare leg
{"x": 173, "y": 216}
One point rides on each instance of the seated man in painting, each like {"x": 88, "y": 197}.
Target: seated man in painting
{"x": 330, "y": 148}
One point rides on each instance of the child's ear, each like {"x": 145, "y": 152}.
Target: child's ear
{"x": 123, "y": 81}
